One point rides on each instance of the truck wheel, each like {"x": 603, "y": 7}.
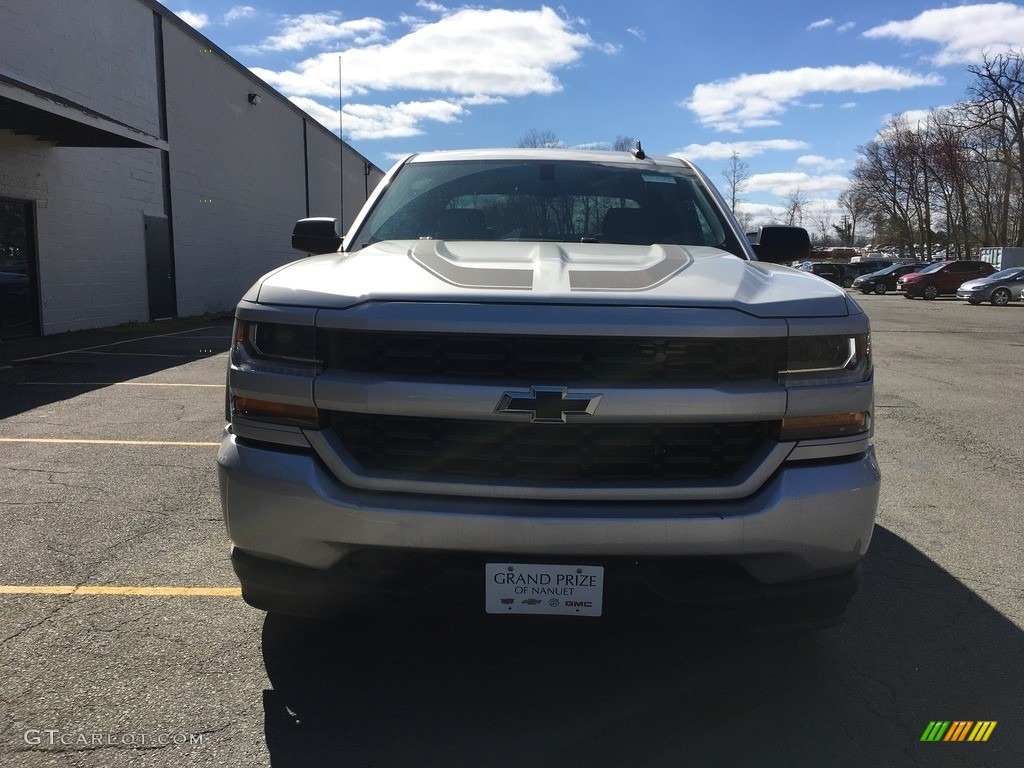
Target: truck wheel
{"x": 881, "y": 288}
{"x": 930, "y": 292}
{"x": 1000, "y": 297}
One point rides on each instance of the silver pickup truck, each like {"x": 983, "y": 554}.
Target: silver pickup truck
{"x": 550, "y": 382}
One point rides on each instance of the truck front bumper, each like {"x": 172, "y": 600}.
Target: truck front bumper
{"x": 301, "y": 537}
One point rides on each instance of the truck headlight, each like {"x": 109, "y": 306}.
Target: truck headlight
{"x": 278, "y": 349}
{"x": 822, "y": 360}
{"x": 275, "y": 348}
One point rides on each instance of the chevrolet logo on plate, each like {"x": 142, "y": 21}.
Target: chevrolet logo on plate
{"x": 548, "y": 405}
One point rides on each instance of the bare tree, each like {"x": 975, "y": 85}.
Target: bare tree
{"x": 999, "y": 102}
{"x": 949, "y": 158}
{"x": 746, "y": 219}
{"x": 540, "y": 139}
{"x": 954, "y": 178}
{"x": 623, "y": 143}
{"x": 736, "y": 175}
{"x": 886, "y": 175}
{"x": 854, "y": 204}
{"x": 823, "y": 217}
{"x": 796, "y": 204}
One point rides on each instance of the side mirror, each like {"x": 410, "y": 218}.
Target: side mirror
{"x": 781, "y": 245}
{"x": 317, "y": 235}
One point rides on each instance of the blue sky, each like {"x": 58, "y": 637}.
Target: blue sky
{"x": 793, "y": 86}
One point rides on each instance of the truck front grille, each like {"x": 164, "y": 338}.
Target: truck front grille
{"x": 559, "y": 359}
{"x": 591, "y": 454}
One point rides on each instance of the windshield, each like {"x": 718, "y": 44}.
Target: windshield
{"x": 540, "y": 200}
{"x": 932, "y": 268}
{"x": 1003, "y": 274}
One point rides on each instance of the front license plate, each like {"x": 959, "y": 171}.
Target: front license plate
{"x": 555, "y": 590}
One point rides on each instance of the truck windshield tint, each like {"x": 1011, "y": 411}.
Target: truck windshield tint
{"x": 546, "y": 201}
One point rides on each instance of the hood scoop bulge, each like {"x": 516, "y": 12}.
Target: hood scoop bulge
{"x": 511, "y": 266}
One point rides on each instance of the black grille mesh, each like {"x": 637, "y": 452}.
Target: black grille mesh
{"x": 561, "y": 360}
{"x": 425, "y": 448}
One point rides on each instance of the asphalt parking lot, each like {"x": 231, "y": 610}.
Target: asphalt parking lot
{"x": 124, "y": 643}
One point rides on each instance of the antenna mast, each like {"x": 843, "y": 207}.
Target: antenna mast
{"x": 341, "y": 148}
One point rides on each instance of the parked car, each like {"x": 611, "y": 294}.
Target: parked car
{"x": 1000, "y": 288}
{"x": 827, "y": 269}
{"x": 942, "y": 277}
{"x": 884, "y": 280}
{"x": 856, "y": 269}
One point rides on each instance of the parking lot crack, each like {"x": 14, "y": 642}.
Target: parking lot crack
{"x": 50, "y": 614}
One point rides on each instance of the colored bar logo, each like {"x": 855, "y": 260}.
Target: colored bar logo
{"x": 958, "y": 730}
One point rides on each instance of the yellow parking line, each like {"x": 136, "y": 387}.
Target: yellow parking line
{"x": 10, "y": 589}
{"x": 144, "y": 354}
{"x": 112, "y": 344}
{"x": 100, "y": 442}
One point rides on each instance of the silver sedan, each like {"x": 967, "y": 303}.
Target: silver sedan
{"x": 1000, "y": 288}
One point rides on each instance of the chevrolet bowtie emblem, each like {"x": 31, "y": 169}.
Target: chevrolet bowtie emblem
{"x": 548, "y": 404}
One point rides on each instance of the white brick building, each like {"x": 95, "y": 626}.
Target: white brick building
{"x": 144, "y": 173}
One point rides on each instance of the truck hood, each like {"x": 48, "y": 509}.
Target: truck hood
{"x": 543, "y": 272}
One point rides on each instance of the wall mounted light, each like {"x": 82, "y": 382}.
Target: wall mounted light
{"x": 254, "y": 99}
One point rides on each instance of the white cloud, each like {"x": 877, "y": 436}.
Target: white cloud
{"x": 915, "y": 116}
{"x": 720, "y": 150}
{"x": 382, "y": 121}
{"x": 820, "y": 24}
{"x": 963, "y": 33}
{"x": 848, "y": 105}
{"x": 395, "y": 121}
{"x": 299, "y": 83}
{"x": 749, "y": 101}
{"x": 760, "y": 214}
{"x": 193, "y": 19}
{"x": 326, "y": 116}
{"x": 481, "y": 100}
{"x": 820, "y": 162}
{"x": 319, "y": 29}
{"x": 914, "y": 119}
{"x": 638, "y": 33}
{"x": 432, "y": 7}
{"x": 846, "y": 27}
{"x": 239, "y": 12}
{"x": 471, "y": 56}
{"x": 788, "y": 182}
